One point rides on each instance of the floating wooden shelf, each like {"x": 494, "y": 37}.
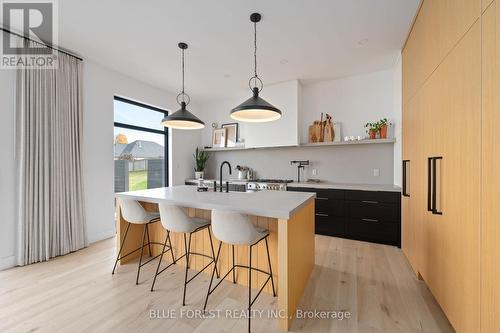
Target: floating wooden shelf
{"x": 319, "y": 144}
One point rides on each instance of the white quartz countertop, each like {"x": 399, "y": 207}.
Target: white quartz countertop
{"x": 348, "y": 186}
{"x": 276, "y": 204}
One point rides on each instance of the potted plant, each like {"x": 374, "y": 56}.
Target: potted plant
{"x": 383, "y": 124}
{"x": 200, "y": 159}
{"x": 372, "y": 129}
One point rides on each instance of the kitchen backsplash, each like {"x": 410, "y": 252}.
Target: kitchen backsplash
{"x": 346, "y": 164}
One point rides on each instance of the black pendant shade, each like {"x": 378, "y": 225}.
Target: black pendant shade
{"x": 255, "y": 109}
{"x": 182, "y": 118}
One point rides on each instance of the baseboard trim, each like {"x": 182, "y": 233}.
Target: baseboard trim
{"x": 7, "y": 262}
{"x": 101, "y": 236}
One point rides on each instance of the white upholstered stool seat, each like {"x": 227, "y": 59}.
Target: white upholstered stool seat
{"x": 133, "y": 213}
{"x": 235, "y": 228}
{"x": 174, "y": 219}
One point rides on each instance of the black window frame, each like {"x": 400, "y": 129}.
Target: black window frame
{"x": 146, "y": 129}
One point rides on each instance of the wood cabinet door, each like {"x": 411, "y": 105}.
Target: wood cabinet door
{"x": 450, "y": 241}
{"x": 490, "y": 224}
{"x": 409, "y": 219}
{"x": 440, "y": 24}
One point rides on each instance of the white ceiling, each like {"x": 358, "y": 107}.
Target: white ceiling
{"x": 297, "y": 39}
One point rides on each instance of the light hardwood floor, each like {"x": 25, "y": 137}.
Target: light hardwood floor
{"x": 77, "y": 293}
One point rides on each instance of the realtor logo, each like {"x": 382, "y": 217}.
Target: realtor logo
{"x": 34, "y": 19}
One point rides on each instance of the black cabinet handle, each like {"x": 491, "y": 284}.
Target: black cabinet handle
{"x": 321, "y": 198}
{"x": 429, "y": 184}
{"x": 369, "y": 220}
{"x": 319, "y": 214}
{"x": 370, "y": 202}
{"x": 405, "y": 192}
{"x": 434, "y": 186}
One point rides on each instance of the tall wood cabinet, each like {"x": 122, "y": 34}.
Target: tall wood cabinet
{"x": 451, "y": 156}
{"x": 490, "y": 198}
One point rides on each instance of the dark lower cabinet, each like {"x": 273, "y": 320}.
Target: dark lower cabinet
{"x": 329, "y": 225}
{"x": 363, "y": 215}
{"x": 369, "y": 230}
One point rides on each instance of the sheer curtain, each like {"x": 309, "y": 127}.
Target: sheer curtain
{"x": 51, "y": 220}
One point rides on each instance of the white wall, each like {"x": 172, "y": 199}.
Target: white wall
{"x": 352, "y": 101}
{"x": 398, "y": 109}
{"x": 7, "y": 171}
{"x": 285, "y": 131}
{"x": 341, "y": 164}
{"x": 100, "y": 85}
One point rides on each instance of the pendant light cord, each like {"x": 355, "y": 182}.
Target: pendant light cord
{"x": 255, "y": 78}
{"x": 183, "y": 93}
{"x": 255, "y": 48}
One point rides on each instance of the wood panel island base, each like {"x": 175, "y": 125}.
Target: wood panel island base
{"x": 289, "y": 216}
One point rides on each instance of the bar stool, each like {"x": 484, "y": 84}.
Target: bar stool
{"x": 134, "y": 213}
{"x": 174, "y": 219}
{"x": 237, "y": 229}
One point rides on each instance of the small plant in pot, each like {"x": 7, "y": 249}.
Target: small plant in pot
{"x": 200, "y": 160}
{"x": 372, "y": 129}
{"x": 383, "y": 125}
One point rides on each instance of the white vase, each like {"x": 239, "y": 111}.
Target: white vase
{"x": 198, "y": 174}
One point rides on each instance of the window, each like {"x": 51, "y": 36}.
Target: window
{"x": 140, "y": 146}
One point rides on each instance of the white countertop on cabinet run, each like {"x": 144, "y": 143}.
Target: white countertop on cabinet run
{"x": 348, "y": 186}
{"x": 276, "y": 204}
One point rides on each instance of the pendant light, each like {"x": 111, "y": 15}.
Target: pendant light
{"x": 183, "y": 119}
{"x": 255, "y": 109}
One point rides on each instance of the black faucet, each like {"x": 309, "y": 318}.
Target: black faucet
{"x": 300, "y": 165}
{"x": 220, "y": 176}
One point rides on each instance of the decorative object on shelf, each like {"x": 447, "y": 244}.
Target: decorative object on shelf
{"x": 372, "y": 129}
{"x": 314, "y": 132}
{"x": 337, "y": 132}
{"x": 383, "y": 123}
{"x": 232, "y": 134}
{"x": 219, "y": 138}
{"x": 242, "y": 171}
{"x": 378, "y": 129}
{"x": 200, "y": 160}
{"x": 182, "y": 118}
{"x": 322, "y": 130}
{"x": 255, "y": 109}
{"x": 328, "y": 131}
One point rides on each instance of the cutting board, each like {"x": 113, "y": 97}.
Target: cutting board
{"x": 315, "y": 132}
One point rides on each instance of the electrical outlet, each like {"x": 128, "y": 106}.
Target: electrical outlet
{"x": 376, "y": 172}
{"x": 314, "y": 172}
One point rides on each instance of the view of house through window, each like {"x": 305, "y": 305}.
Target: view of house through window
{"x": 140, "y": 146}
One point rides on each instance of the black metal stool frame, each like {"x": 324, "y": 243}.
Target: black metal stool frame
{"x": 250, "y": 268}
{"x": 145, "y": 232}
{"x": 187, "y": 254}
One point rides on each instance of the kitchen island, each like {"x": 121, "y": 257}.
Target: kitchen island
{"x": 289, "y": 217}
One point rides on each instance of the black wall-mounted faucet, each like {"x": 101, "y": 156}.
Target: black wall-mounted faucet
{"x": 300, "y": 165}
{"x": 220, "y": 176}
